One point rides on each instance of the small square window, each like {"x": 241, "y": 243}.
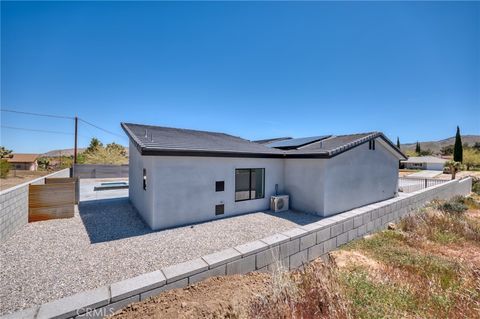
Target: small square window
{"x": 219, "y": 209}
{"x": 219, "y": 186}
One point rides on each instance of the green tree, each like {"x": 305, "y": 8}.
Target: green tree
{"x": 4, "y": 168}
{"x": 446, "y": 150}
{"x": 471, "y": 158}
{"x": 417, "y": 148}
{"x": 43, "y": 162}
{"x": 96, "y": 153}
{"x": 116, "y": 148}
{"x": 95, "y": 144}
{"x": 425, "y": 152}
{"x": 398, "y": 142}
{"x": 4, "y": 152}
{"x": 458, "y": 148}
{"x": 476, "y": 146}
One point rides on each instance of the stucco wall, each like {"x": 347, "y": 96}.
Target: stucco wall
{"x": 184, "y": 187}
{"x": 140, "y": 198}
{"x": 435, "y": 166}
{"x": 359, "y": 177}
{"x": 181, "y": 190}
{"x": 305, "y": 183}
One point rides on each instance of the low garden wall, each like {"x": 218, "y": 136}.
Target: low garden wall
{"x": 291, "y": 249}
{"x": 14, "y": 204}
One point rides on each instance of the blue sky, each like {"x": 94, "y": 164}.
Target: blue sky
{"x": 255, "y": 70}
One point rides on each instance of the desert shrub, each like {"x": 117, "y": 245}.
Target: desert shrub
{"x": 4, "y": 168}
{"x": 457, "y": 204}
{"x": 443, "y": 222}
{"x": 476, "y": 186}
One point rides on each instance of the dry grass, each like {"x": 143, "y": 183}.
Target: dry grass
{"x": 430, "y": 266}
{"x": 312, "y": 292}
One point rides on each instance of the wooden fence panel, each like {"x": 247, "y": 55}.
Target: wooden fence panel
{"x": 51, "y": 201}
{"x": 61, "y": 180}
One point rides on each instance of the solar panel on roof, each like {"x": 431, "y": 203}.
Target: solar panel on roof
{"x": 296, "y": 142}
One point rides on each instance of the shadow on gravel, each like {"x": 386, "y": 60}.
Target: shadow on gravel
{"x": 111, "y": 219}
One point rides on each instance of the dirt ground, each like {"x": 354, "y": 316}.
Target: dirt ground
{"x": 216, "y": 297}
{"x": 18, "y": 177}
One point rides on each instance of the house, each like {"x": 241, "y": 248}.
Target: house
{"x": 424, "y": 162}
{"x": 180, "y": 176}
{"x": 27, "y": 162}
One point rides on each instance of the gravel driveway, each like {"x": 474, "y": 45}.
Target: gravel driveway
{"x": 108, "y": 242}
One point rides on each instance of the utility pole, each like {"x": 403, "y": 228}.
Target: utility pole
{"x": 76, "y": 138}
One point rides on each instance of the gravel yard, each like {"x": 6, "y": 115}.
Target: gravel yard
{"x": 107, "y": 242}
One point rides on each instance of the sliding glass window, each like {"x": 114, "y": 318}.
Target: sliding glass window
{"x": 249, "y": 183}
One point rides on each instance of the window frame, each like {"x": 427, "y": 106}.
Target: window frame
{"x": 249, "y": 184}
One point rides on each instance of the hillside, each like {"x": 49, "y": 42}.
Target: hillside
{"x": 67, "y": 152}
{"x": 435, "y": 146}
{"x": 63, "y": 152}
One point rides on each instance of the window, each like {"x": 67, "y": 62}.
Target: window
{"x": 144, "y": 179}
{"x": 371, "y": 145}
{"x": 219, "y": 209}
{"x": 249, "y": 183}
{"x": 219, "y": 186}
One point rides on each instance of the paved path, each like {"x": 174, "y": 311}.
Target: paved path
{"x": 106, "y": 242}
{"x": 425, "y": 174}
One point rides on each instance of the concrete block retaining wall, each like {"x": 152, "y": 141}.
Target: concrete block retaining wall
{"x": 14, "y": 205}
{"x": 291, "y": 249}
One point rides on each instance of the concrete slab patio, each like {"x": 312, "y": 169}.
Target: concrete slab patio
{"x": 426, "y": 174}
{"x": 106, "y": 242}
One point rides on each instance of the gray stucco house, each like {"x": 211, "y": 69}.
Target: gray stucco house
{"x": 180, "y": 176}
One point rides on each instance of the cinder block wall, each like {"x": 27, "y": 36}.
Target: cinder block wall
{"x": 291, "y": 249}
{"x": 14, "y": 205}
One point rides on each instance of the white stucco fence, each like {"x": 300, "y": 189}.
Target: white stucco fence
{"x": 291, "y": 248}
{"x": 14, "y": 204}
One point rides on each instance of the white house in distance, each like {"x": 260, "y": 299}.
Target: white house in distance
{"x": 425, "y": 162}
{"x": 180, "y": 176}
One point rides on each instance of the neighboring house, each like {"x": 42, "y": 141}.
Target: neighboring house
{"x": 27, "y": 162}
{"x": 180, "y": 176}
{"x": 424, "y": 162}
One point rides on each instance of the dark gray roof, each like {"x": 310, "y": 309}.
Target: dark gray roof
{"x": 151, "y": 140}
{"x": 157, "y": 140}
{"x": 294, "y": 143}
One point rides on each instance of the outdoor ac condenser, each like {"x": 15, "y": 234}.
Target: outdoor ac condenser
{"x": 279, "y": 203}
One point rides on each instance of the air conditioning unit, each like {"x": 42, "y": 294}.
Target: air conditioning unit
{"x": 279, "y": 203}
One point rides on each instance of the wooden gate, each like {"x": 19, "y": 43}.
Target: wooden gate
{"x": 55, "y": 199}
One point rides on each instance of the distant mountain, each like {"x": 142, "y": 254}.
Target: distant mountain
{"x": 64, "y": 152}
{"x": 435, "y": 146}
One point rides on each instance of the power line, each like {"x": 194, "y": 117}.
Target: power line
{"x": 38, "y": 114}
{"x": 101, "y": 129}
{"x": 60, "y": 117}
{"x": 35, "y": 130}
